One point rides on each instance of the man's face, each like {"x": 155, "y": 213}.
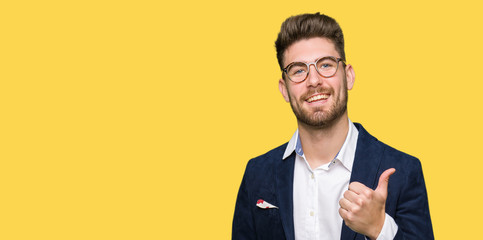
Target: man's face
{"x": 318, "y": 101}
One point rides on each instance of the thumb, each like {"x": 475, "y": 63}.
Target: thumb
{"x": 384, "y": 180}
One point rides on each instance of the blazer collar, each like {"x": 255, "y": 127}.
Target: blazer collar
{"x": 366, "y": 165}
{"x": 367, "y": 159}
{"x": 285, "y": 194}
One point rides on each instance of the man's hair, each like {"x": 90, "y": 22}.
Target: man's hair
{"x": 307, "y": 26}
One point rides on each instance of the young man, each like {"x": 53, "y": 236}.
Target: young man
{"x": 331, "y": 180}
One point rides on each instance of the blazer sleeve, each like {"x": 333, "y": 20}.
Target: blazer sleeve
{"x": 243, "y": 224}
{"x": 412, "y": 213}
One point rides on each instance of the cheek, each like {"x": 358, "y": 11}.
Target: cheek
{"x": 291, "y": 93}
{"x": 340, "y": 86}
{"x": 293, "y": 99}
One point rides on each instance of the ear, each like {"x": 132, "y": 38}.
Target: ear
{"x": 283, "y": 89}
{"x": 350, "y": 76}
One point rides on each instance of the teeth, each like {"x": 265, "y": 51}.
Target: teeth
{"x": 318, "y": 97}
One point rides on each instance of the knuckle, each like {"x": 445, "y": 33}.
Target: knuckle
{"x": 368, "y": 193}
{"x": 350, "y": 217}
{"x": 355, "y": 209}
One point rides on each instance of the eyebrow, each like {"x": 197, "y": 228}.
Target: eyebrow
{"x": 311, "y": 61}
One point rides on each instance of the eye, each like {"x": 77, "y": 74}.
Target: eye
{"x": 326, "y": 64}
{"x": 297, "y": 69}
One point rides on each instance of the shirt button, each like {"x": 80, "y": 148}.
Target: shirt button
{"x": 312, "y": 176}
{"x": 311, "y": 213}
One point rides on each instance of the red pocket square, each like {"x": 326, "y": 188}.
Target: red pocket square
{"x": 262, "y": 204}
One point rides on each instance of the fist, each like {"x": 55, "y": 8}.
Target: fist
{"x": 363, "y": 209}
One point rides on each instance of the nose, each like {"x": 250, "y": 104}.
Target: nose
{"x": 313, "y": 78}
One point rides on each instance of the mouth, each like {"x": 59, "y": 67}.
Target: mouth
{"x": 317, "y": 97}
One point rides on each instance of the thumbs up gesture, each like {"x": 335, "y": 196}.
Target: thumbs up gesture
{"x": 363, "y": 209}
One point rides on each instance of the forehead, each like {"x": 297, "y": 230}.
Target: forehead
{"x": 307, "y": 50}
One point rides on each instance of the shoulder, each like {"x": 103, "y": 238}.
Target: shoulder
{"x": 263, "y": 168}
{"x": 390, "y": 156}
{"x": 394, "y": 154}
{"x": 405, "y": 164}
{"x": 268, "y": 159}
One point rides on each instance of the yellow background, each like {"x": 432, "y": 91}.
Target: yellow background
{"x": 135, "y": 119}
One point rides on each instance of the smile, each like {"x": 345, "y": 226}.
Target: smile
{"x": 318, "y": 97}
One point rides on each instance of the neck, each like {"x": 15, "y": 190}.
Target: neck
{"x": 321, "y": 145}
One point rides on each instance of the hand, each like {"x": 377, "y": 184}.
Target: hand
{"x": 363, "y": 209}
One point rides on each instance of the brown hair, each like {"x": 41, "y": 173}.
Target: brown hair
{"x": 307, "y": 26}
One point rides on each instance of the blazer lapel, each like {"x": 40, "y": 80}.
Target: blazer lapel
{"x": 365, "y": 168}
{"x": 285, "y": 194}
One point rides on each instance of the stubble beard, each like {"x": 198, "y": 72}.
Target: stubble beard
{"x": 321, "y": 119}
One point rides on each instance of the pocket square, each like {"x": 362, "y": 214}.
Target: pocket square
{"x": 262, "y": 204}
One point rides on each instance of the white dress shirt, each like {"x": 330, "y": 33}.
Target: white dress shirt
{"x": 316, "y": 192}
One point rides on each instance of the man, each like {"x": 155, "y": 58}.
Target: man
{"x": 331, "y": 180}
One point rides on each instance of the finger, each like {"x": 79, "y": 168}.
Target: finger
{"x": 384, "y": 181}
{"x": 345, "y": 204}
{"x": 351, "y": 196}
{"x": 357, "y": 187}
{"x": 343, "y": 213}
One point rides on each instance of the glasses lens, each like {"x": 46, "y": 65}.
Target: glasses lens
{"x": 297, "y": 72}
{"x": 327, "y": 66}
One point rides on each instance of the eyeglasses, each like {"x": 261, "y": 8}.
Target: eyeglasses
{"x": 325, "y": 66}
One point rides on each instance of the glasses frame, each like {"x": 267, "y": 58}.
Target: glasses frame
{"x": 285, "y": 70}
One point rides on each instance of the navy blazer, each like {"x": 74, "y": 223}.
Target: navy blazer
{"x": 270, "y": 178}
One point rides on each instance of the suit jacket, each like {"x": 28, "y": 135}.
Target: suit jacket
{"x": 270, "y": 178}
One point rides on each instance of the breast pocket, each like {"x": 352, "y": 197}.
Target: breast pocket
{"x": 268, "y": 223}
{"x": 266, "y": 212}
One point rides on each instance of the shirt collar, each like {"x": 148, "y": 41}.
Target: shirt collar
{"x": 291, "y": 145}
{"x": 346, "y": 153}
